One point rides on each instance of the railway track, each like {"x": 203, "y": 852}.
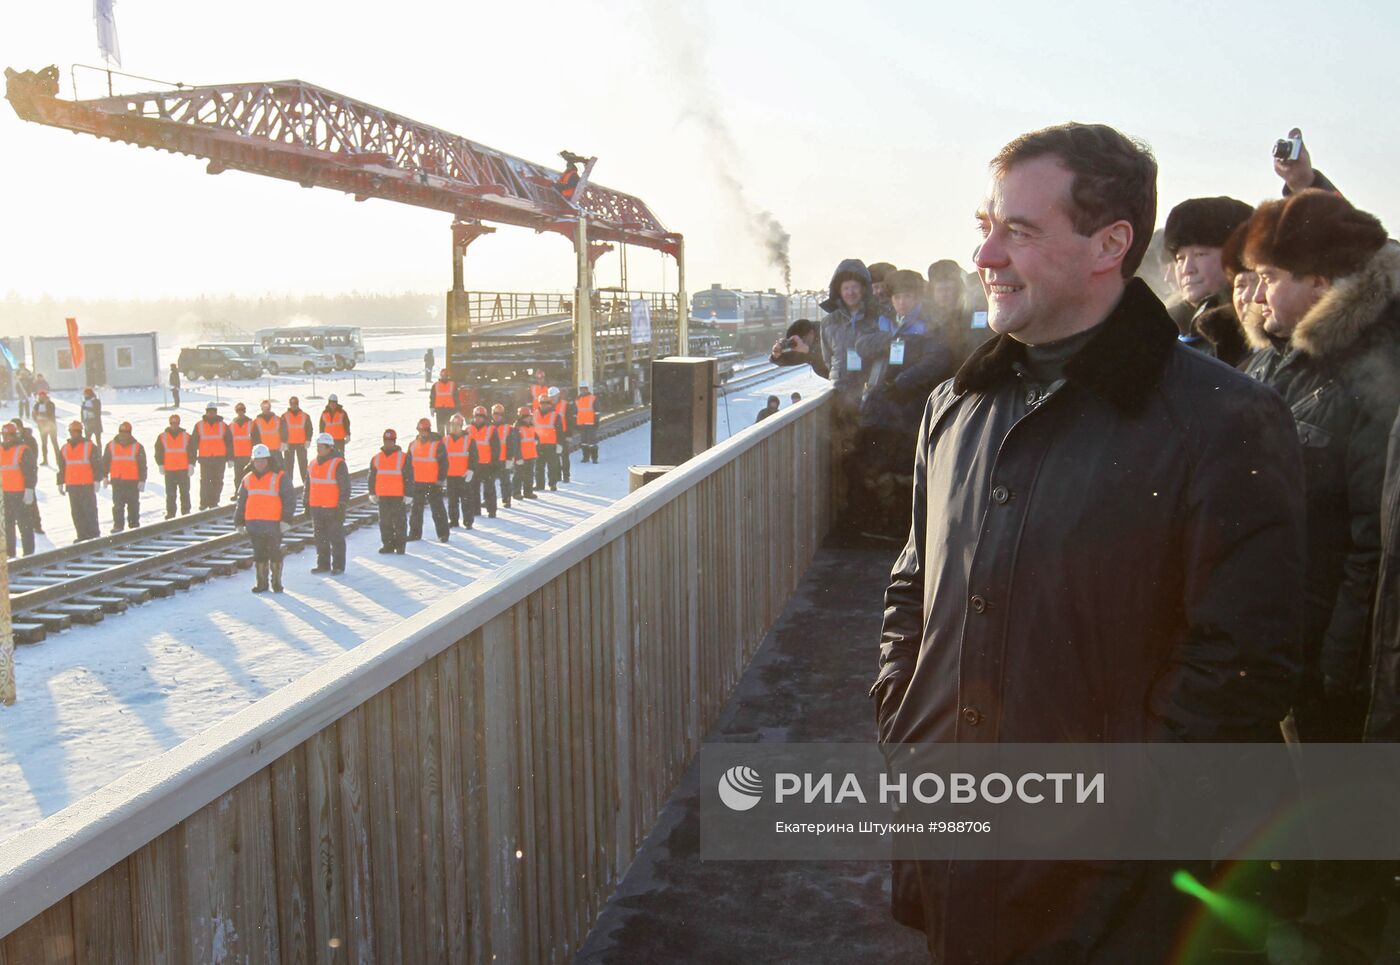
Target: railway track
{"x": 87, "y": 582}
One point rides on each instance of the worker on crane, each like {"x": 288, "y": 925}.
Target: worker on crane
{"x": 570, "y": 181}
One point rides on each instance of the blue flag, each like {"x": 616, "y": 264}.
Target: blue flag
{"x": 9, "y": 359}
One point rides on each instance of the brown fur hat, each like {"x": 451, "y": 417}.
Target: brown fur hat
{"x": 1232, "y": 252}
{"x": 905, "y": 280}
{"x": 1203, "y": 221}
{"x": 1313, "y": 232}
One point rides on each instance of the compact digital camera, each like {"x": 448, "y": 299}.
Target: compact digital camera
{"x": 1288, "y": 148}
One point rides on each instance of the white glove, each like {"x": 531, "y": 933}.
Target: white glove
{"x": 61, "y": 490}
{"x": 102, "y": 483}
{"x": 510, "y": 463}
{"x": 469, "y": 475}
{"x": 284, "y": 526}
{"x": 162, "y": 470}
{"x": 373, "y": 500}
{"x": 29, "y": 497}
{"x": 141, "y": 486}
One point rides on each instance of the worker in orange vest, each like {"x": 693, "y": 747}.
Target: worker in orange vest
{"x": 125, "y": 463}
{"x": 442, "y": 400}
{"x": 564, "y": 406}
{"x": 507, "y": 448}
{"x": 588, "y": 414}
{"x": 528, "y": 453}
{"x": 335, "y": 421}
{"x": 172, "y": 454}
{"x": 297, "y": 422}
{"x": 428, "y": 457}
{"x": 390, "y": 477}
{"x": 328, "y": 496}
{"x": 482, "y": 490}
{"x": 213, "y": 444}
{"x": 546, "y": 415}
{"x": 79, "y": 469}
{"x": 19, "y": 474}
{"x": 461, "y": 470}
{"x": 539, "y": 388}
{"x": 269, "y": 430}
{"x": 266, "y": 505}
{"x": 240, "y": 430}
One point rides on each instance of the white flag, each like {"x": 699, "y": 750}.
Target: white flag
{"x": 107, "y": 31}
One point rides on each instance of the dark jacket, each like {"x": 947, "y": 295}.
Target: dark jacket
{"x": 865, "y": 331}
{"x": 218, "y": 420}
{"x": 125, "y": 439}
{"x": 1340, "y": 374}
{"x": 91, "y": 411}
{"x": 275, "y": 424}
{"x": 342, "y": 479}
{"x": 165, "y": 439}
{"x": 321, "y": 423}
{"x": 28, "y": 462}
{"x": 285, "y": 492}
{"x": 1222, "y": 331}
{"x": 509, "y": 447}
{"x": 898, "y": 392}
{"x": 98, "y": 466}
{"x": 44, "y": 411}
{"x": 407, "y": 470}
{"x": 1116, "y": 557}
{"x": 441, "y": 460}
{"x": 1383, "y": 722}
{"x": 174, "y": 377}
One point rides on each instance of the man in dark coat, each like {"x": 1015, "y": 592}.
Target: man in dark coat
{"x": 1106, "y": 547}
{"x": 1383, "y": 721}
{"x": 79, "y": 471}
{"x": 1331, "y": 298}
{"x": 1194, "y": 236}
{"x": 211, "y": 446}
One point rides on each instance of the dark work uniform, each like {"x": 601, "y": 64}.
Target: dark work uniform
{"x": 125, "y": 457}
{"x": 427, "y": 493}
{"x": 17, "y": 516}
{"x": 82, "y": 496}
{"x": 328, "y": 522}
{"x": 392, "y": 534}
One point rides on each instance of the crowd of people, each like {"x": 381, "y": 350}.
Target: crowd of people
{"x": 459, "y": 471}
{"x": 1148, "y": 490}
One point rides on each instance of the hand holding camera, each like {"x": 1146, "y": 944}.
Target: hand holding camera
{"x": 1292, "y": 162}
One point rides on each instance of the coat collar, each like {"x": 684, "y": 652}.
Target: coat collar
{"x": 1354, "y": 306}
{"x": 1121, "y": 364}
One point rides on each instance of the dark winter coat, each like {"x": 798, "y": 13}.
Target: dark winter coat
{"x": 1116, "y": 557}
{"x": 44, "y": 411}
{"x": 342, "y": 479}
{"x": 407, "y": 470}
{"x": 92, "y": 414}
{"x": 28, "y": 461}
{"x": 1221, "y": 329}
{"x": 218, "y": 420}
{"x": 897, "y": 393}
{"x": 285, "y": 493}
{"x": 125, "y": 439}
{"x": 866, "y": 330}
{"x": 1340, "y": 374}
{"x": 1383, "y": 722}
{"x": 321, "y": 424}
{"x": 98, "y": 466}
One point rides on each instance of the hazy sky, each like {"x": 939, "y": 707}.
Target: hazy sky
{"x": 865, "y": 129}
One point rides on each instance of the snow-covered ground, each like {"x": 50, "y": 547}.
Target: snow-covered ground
{"x": 97, "y": 701}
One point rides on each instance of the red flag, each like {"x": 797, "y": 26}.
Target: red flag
{"x": 75, "y": 344}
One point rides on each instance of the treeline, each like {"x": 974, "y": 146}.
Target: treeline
{"x": 207, "y": 317}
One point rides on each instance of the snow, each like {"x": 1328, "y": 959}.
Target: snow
{"x": 97, "y": 701}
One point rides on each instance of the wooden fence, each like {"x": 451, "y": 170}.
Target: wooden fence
{"x": 467, "y": 786}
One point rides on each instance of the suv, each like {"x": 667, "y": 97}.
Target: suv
{"x": 213, "y": 362}
{"x": 297, "y": 358}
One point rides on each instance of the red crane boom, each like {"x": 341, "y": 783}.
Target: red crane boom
{"x": 300, "y": 132}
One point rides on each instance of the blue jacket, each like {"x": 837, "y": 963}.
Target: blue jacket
{"x": 898, "y": 392}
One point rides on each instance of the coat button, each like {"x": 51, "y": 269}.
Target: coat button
{"x": 1032, "y": 396}
{"x": 972, "y": 715}
{"x": 1001, "y": 494}
{"x": 979, "y": 604}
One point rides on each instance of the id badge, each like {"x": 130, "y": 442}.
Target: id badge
{"x": 979, "y": 319}
{"x": 897, "y": 352}
{"x": 852, "y": 360}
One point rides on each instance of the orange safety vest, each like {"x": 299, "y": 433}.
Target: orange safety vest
{"x": 335, "y": 424}
{"x": 264, "y": 497}
{"x": 270, "y": 432}
{"x": 425, "y": 464}
{"x": 298, "y": 427}
{"x": 242, "y": 438}
{"x": 500, "y": 431}
{"x": 77, "y": 464}
{"x": 177, "y": 452}
{"x": 545, "y": 430}
{"x": 527, "y": 442}
{"x": 211, "y": 439}
{"x": 325, "y": 491}
{"x": 481, "y": 438}
{"x": 11, "y": 475}
{"x": 586, "y": 416}
{"x": 124, "y": 461}
{"x": 388, "y": 476}
{"x": 538, "y": 392}
{"x": 444, "y": 394}
{"x": 561, "y": 409}
{"x": 457, "y": 455}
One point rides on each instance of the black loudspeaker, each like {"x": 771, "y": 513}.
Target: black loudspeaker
{"x": 682, "y": 409}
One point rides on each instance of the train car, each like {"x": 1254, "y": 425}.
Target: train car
{"x": 748, "y": 320}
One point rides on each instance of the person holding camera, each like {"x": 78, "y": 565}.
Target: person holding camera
{"x": 795, "y": 347}
{"x": 1293, "y": 164}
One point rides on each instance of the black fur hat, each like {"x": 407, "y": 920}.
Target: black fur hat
{"x": 1204, "y": 221}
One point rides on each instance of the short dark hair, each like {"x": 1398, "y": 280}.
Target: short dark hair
{"x": 804, "y": 327}
{"x": 1115, "y": 178}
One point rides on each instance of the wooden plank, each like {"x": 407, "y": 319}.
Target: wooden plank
{"x": 407, "y": 823}
{"x": 381, "y": 825}
{"x": 430, "y": 790}
{"x": 452, "y": 766}
{"x": 159, "y": 906}
{"x": 507, "y": 928}
{"x": 102, "y": 931}
{"x": 229, "y": 877}
{"x": 478, "y": 851}
{"x": 46, "y": 938}
{"x": 333, "y": 939}
{"x": 621, "y": 613}
{"x": 532, "y": 646}
{"x": 255, "y": 872}
{"x": 292, "y": 839}
{"x": 552, "y": 887}
{"x": 363, "y": 891}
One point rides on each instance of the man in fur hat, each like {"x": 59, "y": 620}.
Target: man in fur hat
{"x": 1195, "y": 233}
{"x": 1330, "y": 292}
{"x": 1235, "y": 328}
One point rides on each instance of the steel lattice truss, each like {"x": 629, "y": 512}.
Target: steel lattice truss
{"x": 318, "y": 138}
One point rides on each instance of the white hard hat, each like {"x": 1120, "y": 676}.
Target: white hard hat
{"x": 324, "y": 439}
{"x": 553, "y": 392}
{"x": 332, "y": 398}
{"x": 261, "y": 451}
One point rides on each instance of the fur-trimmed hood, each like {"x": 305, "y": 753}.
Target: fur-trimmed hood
{"x": 1354, "y": 306}
{"x": 1220, "y": 327}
